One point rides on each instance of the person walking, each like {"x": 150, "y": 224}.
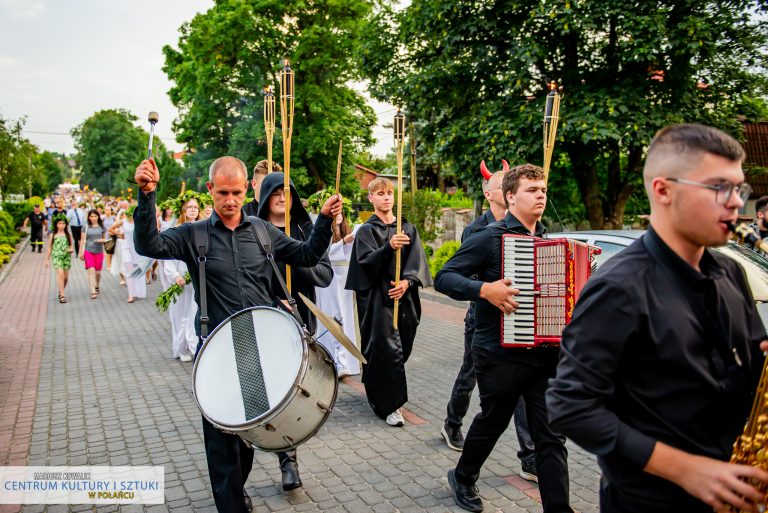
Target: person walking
{"x": 92, "y": 250}
{"x": 76, "y": 219}
{"x": 130, "y": 260}
{"x": 38, "y": 224}
{"x": 108, "y": 219}
{"x": 60, "y": 251}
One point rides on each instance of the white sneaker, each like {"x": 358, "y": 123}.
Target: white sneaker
{"x": 396, "y": 418}
{"x": 185, "y": 358}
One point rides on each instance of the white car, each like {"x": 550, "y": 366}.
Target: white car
{"x": 612, "y": 242}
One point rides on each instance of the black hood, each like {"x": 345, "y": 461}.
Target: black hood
{"x": 273, "y": 182}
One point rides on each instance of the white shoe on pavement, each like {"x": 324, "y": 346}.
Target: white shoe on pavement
{"x": 185, "y": 358}
{"x": 396, "y": 418}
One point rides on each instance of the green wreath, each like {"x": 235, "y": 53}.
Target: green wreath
{"x": 315, "y": 202}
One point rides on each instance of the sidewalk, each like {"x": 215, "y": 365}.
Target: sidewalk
{"x": 106, "y": 391}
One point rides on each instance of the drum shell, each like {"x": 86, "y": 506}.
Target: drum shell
{"x": 300, "y": 415}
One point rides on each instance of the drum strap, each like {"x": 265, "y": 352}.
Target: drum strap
{"x": 260, "y": 231}
{"x": 201, "y": 234}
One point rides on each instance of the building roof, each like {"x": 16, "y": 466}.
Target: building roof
{"x": 756, "y": 143}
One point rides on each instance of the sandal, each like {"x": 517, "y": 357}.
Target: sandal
{"x": 94, "y": 295}
{"x": 62, "y": 299}
{"x": 96, "y": 291}
{"x": 154, "y": 277}
{"x": 131, "y": 299}
{"x": 149, "y": 282}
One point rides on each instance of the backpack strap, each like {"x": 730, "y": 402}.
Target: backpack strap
{"x": 202, "y": 236}
{"x": 259, "y": 228}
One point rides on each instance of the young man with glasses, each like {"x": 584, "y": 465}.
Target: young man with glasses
{"x": 660, "y": 362}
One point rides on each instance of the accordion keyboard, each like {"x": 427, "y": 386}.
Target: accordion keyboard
{"x": 518, "y": 266}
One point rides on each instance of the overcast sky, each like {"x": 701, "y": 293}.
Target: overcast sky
{"x": 63, "y": 60}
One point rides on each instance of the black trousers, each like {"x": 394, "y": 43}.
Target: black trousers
{"x": 229, "y": 463}
{"x": 458, "y": 404}
{"x": 502, "y": 380}
{"x": 76, "y": 231}
{"x": 36, "y": 239}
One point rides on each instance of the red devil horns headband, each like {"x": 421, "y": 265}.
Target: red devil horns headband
{"x": 487, "y": 174}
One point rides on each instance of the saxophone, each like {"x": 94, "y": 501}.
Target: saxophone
{"x": 751, "y": 447}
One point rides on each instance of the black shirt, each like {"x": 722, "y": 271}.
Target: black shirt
{"x": 238, "y": 275}
{"x": 251, "y": 208}
{"x": 657, "y": 351}
{"x": 36, "y": 220}
{"x": 478, "y": 261}
{"x": 478, "y": 224}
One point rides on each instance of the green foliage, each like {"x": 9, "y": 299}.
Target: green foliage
{"x": 54, "y": 168}
{"x": 110, "y": 147}
{"x": 227, "y": 54}
{"x": 6, "y": 249}
{"x": 425, "y": 213}
{"x": 19, "y": 169}
{"x": 171, "y": 294}
{"x": 442, "y": 255}
{"x": 316, "y": 200}
{"x": 465, "y": 70}
{"x": 17, "y": 212}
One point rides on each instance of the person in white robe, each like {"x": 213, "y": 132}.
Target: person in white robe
{"x": 132, "y": 264}
{"x": 339, "y": 303}
{"x": 183, "y": 311}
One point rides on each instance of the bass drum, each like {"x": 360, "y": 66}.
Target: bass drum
{"x": 257, "y": 377}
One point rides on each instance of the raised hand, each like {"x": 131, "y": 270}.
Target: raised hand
{"x": 332, "y": 206}
{"x": 147, "y": 175}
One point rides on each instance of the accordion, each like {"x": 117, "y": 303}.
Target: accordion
{"x": 550, "y": 274}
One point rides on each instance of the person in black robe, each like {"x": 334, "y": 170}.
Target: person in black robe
{"x": 260, "y": 170}
{"x": 371, "y": 276}
{"x": 303, "y": 279}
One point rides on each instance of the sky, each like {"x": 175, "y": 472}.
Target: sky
{"x": 63, "y": 60}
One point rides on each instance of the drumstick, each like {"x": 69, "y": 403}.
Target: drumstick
{"x": 338, "y": 170}
{"x": 153, "y": 118}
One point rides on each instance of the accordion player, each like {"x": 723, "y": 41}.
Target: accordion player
{"x": 550, "y": 274}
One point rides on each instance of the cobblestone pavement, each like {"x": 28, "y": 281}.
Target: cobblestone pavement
{"x": 109, "y": 393}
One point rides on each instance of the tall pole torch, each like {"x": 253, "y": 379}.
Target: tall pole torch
{"x": 399, "y": 127}
{"x": 551, "y": 118}
{"x": 412, "y": 141}
{"x": 269, "y": 122}
{"x": 286, "y": 118}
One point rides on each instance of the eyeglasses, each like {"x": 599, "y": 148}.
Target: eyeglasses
{"x": 723, "y": 190}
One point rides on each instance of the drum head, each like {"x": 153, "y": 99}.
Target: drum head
{"x": 248, "y": 366}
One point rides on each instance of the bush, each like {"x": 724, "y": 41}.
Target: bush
{"x": 442, "y": 255}
{"x": 11, "y": 239}
{"x": 17, "y": 211}
{"x": 4, "y": 259}
{"x": 6, "y": 249}
{"x": 426, "y": 214}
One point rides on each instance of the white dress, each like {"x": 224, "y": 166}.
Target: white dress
{"x": 164, "y": 284}
{"x": 338, "y": 302}
{"x": 182, "y": 312}
{"x": 130, "y": 263}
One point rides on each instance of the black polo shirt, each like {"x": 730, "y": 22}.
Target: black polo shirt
{"x": 238, "y": 275}
{"x": 36, "y": 220}
{"x": 657, "y": 351}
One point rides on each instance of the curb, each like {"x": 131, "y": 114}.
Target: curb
{"x": 14, "y": 259}
{"x": 430, "y": 294}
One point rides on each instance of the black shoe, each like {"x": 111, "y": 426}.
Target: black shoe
{"x": 528, "y": 472}
{"x": 453, "y": 437}
{"x": 465, "y": 496}
{"x": 248, "y": 503}
{"x": 290, "y": 470}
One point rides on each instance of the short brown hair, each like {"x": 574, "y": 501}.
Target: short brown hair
{"x": 380, "y": 183}
{"x": 512, "y": 178}
{"x": 678, "y": 149}
{"x": 262, "y": 168}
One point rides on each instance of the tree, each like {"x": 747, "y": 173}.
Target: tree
{"x": 19, "y": 173}
{"x": 53, "y": 168}
{"x": 109, "y": 149}
{"x": 229, "y": 53}
{"x": 474, "y": 73}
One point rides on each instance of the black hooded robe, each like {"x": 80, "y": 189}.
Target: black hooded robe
{"x": 303, "y": 279}
{"x": 371, "y": 269}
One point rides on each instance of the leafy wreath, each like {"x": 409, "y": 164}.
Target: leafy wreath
{"x": 315, "y": 202}
{"x": 176, "y": 204}
{"x": 59, "y": 217}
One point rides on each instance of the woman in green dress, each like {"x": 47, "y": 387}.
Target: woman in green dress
{"x": 60, "y": 250}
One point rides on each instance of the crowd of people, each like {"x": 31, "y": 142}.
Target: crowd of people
{"x": 659, "y": 398}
